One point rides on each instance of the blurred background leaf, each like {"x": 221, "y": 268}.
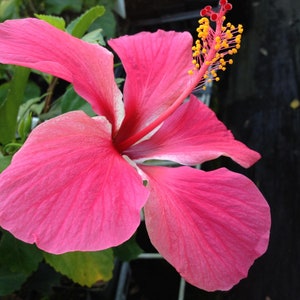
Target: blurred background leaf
{"x": 58, "y": 6}
{"x": 10, "y": 105}
{"x": 84, "y": 268}
{"x": 17, "y": 261}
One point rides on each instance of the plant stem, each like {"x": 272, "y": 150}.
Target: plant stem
{"x": 50, "y": 90}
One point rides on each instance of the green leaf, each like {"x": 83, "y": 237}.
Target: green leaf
{"x": 32, "y": 91}
{"x": 4, "y": 161}
{"x": 119, "y": 81}
{"x": 107, "y": 23}
{"x": 11, "y": 148}
{"x": 18, "y": 261}
{"x": 57, "y": 22}
{"x": 9, "y": 9}
{"x": 72, "y": 101}
{"x": 84, "y": 268}
{"x": 94, "y": 37}
{"x": 10, "y": 281}
{"x": 34, "y": 105}
{"x": 58, "y": 6}
{"x": 17, "y": 255}
{"x": 24, "y": 127}
{"x": 54, "y": 111}
{"x": 10, "y": 106}
{"x": 80, "y": 25}
{"x": 3, "y": 92}
{"x": 128, "y": 250}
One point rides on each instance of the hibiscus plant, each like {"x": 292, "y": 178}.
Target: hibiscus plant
{"x": 79, "y": 183}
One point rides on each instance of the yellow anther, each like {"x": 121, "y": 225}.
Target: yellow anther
{"x": 229, "y": 35}
{"x": 214, "y": 60}
{"x": 225, "y": 44}
{"x": 238, "y": 39}
{"x": 217, "y": 45}
{"x": 213, "y": 73}
{"x": 203, "y": 21}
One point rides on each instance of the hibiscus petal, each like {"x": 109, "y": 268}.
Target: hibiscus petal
{"x": 68, "y": 189}
{"x": 192, "y": 135}
{"x": 36, "y": 44}
{"x": 210, "y": 226}
{"x": 157, "y": 67}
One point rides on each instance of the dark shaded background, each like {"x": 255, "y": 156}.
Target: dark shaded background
{"x": 254, "y": 100}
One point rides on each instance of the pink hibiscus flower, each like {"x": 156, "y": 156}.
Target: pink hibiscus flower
{"x": 79, "y": 183}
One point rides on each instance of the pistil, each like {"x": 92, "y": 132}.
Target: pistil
{"x": 209, "y": 56}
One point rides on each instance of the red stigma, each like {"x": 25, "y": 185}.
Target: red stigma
{"x": 214, "y": 17}
{"x": 203, "y": 12}
{"x": 228, "y": 6}
{"x": 207, "y": 11}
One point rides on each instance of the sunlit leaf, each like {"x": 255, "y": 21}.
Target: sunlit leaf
{"x": 79, "y": 26}
{"x": 55, "y": 21}
{"x": 84, "y": 268}
{"x": 95, "y": 37}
